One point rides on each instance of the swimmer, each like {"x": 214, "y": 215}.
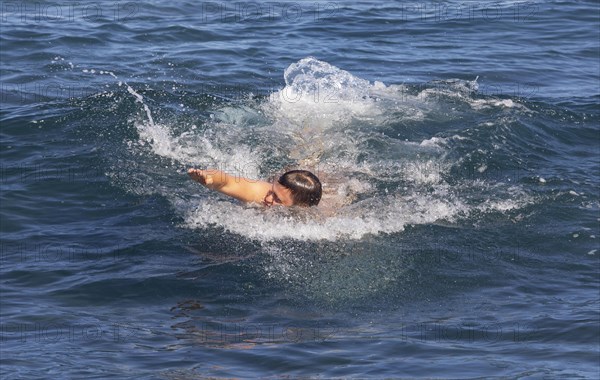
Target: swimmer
{"x": 294, "y": 188}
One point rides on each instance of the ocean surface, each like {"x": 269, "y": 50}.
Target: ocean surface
{"x": 461, "y": 139}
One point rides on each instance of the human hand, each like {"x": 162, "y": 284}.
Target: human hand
{"x": 205, "y": 177}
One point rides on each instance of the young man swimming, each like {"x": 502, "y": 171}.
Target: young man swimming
{"x": 294, "y": 188}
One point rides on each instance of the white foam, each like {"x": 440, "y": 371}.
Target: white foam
{"x": 434, "y": 142}
{"x": 325, "y": 118}
{"x": 518, "y": 199}
{"x": 385, "y": 215}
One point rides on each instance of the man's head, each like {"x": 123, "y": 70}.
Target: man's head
{"x": 295, "y": 188}
{"x": 304, "y": 186}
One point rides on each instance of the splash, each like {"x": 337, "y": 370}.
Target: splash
{"x": 338, "y": 125}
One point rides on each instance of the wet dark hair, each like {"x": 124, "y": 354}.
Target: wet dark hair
{"x": 305, "y": 187}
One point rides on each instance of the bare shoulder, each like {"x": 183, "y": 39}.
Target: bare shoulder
{"x": 338, "y": 191}
{"x": 248, "y": 190}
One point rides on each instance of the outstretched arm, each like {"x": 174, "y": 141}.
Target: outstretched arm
{"x": 243, "y": 189}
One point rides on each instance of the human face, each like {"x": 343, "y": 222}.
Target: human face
{"x": 278, "y": 196}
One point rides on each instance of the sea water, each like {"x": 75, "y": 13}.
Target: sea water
{"x": 458, "y": 143}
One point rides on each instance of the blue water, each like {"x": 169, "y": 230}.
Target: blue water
{"x": 460, "y": 140}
